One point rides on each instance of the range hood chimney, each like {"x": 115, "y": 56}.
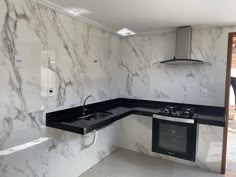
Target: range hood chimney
{"x": 183, "y": 48}
{"x": 183, "y": 43}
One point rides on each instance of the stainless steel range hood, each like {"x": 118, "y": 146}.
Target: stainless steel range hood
{"x": 183, "y": 48}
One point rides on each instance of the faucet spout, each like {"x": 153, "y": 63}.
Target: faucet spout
{"x": 84, "y": 104}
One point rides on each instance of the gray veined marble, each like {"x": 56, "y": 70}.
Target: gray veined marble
{"x": 22, "y": 24}
{"x": 52, "y": 43}
{"x": 75, "y": 51}
{"x": 181, "y": 83}
{"x": 67, "y": 48}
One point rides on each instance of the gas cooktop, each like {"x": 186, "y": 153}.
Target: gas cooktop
{"x": 181, "y": 112}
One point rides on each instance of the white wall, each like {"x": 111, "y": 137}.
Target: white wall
{"x": 181, "y": 83}
{"x": 31, "y": 30}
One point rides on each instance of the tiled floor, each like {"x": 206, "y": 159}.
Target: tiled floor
{"x": 231, "y": 152}
{"x": 124, "y": 163}
{"x": 231, "y": 148}
{"x": 229, "y": 174}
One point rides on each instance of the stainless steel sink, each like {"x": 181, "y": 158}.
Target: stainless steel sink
{"x": 90, "y": 117}
{"x": 96, "y": 116}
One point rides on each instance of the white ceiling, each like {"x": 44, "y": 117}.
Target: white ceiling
{"x": 143, "y": 16}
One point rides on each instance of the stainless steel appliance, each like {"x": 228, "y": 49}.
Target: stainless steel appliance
{"x": 183, "y": 48}
{"x": 174, "y": 132}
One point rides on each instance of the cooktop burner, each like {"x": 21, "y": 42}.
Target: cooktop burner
{"x": 174, "y": 111}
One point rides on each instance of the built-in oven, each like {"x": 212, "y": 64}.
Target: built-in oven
{"x": 174, "y": 136}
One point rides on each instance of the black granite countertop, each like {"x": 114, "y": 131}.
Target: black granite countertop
{"x": 119, "y": 108}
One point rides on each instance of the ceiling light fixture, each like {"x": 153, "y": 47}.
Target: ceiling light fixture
{"x": 77, "y": 11}
{"x": 125, "y": 32}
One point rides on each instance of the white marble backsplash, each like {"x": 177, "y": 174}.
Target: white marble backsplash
{"x": 76, "y": 46}
{"x": 51, "y": 43}
{"x": 30, "y": 30}
{"x": 86, "y": 60}
{"x": 175, "y": 83}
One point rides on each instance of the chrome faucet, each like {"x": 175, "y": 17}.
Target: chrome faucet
{"x": 84, "y": 106}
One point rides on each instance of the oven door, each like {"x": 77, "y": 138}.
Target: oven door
{"x": 174, "y": 136}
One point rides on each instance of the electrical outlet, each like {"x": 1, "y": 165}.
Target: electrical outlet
{"x": 18, "y": 61}
{"x": 204, "y": 92}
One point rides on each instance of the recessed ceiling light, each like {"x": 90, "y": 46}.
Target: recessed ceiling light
{"x": 125, "y": 32}
{"x": 77, "y": 11}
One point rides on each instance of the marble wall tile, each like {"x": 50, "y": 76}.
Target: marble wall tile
{"x": 57, "y": 44}
{"x": 64, "y": 154}
{"x": 29, "y": 30}
{"x": 21, "y": 129}
{"x": 181, "y": 83}
{"x": 137, "y": 70}
{"x": 124, "y": 67}
{"x": 139, "y": 139}
{"x": 86, "y": 60}
{"x": 24, "y": 160}
{"x": 209, "y": 147}
{"x": 32, "y": 162}
{"x": 71, "y": 154}
{"x": 23, "y": 33}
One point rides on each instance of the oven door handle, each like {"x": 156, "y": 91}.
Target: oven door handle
{"x": 174, "y": 119}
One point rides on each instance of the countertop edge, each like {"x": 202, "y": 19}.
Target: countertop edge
{"x": 130, "y": 106}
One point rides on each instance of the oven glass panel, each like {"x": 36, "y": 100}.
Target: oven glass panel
{"x": 173, "y": 138}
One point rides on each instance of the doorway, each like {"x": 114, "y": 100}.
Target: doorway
{"x": 229, "y": 144}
